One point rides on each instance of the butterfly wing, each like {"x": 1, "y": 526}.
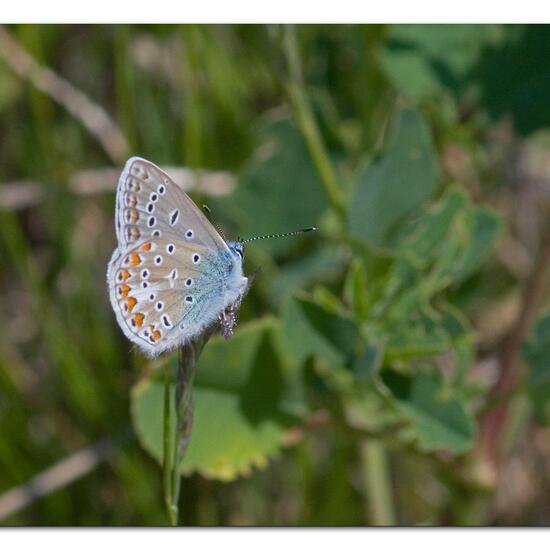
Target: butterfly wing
{"x": 149, "y": 205}
{"x": 165, "y": 293}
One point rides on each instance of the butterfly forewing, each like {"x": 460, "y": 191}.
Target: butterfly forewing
{"x": 150, "y": 205}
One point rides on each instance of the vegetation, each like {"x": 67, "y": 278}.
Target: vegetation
{"x": 392, "y": 368}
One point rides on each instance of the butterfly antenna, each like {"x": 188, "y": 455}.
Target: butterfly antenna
{"x": 209, "y": 215}
{"x": 289, "y": 234}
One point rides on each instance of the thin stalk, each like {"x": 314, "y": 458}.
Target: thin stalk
{"x": 377, "y": 483}
{"x": 166, "y": 454}
{"x": 187, "y": 359}
{"x": 307, "y": 124}
{"x": 125, "y": 92}
{"x": 493, "y": 422}
{"x": 193, "y": 123}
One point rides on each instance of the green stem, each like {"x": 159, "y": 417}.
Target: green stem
{"x": 125, "y": 85}
{"x": 377, "y": 483}
{"x": 174, "y": 449}
{"x": 307, "y": 124}
{"x": 166, "y": 455}
{"x": 187, "y": 359}
{"x": 193, "y": 123}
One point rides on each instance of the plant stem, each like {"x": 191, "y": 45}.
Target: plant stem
{"x": 493, "y": 422}
{"x": 377, "y": 483}
{"x": 187, "y": 359}
{"x": 166, "y": 455}
{"x": 307, "y": 124}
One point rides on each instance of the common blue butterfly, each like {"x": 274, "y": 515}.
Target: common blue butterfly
{"x": 172, "y": 274}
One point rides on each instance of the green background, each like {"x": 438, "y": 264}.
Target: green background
{"x": 391, "y": 369}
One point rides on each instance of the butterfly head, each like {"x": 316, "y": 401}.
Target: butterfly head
{"x": 237, "y": 248}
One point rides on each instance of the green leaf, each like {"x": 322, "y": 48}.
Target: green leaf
{"x": 395, "y": 185}
{"x": 446, "y": 245}
{"x": 430, "y": 232}
{"x": 355, "y": 289}
{"x": 462, "y": 338}
{"x": 369, "y": 361}
{"x": 420, "y": 59}
{"x": 484, "y": 227}
{"x": 245, "y": 399}
{"x": 310, "y": 329}
{"x": 324, "y": 263}
{"x": 437, "y": 419}
{"x": 536, "y": 353}
{"x": 410, "y": 340}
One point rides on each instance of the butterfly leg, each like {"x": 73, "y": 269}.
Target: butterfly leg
{"x": 228, "y": 317}
{"x": 228, "y": 321}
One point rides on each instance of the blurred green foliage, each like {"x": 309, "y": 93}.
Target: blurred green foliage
{"x": 356, "y": 388}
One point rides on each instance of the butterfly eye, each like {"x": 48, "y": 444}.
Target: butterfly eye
{"x": 196, "y": 258}
{"x": 159, "y": 306}
{"x": 158, "y": 260}
{"x": 150, "y": 207}
{"x": 151, "y": 222}
{"x": 154, "y": 197}
{"x": 188, "y": 282}
{"x": 189, "y": 299}
{"x": 161, "y": 189}
{"x": 189, "y": 233}
{"x": 156, "y": 233}
{"x": 145, "y": 274}
{"x": 170, "y": 248}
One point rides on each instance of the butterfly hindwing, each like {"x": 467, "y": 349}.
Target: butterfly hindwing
{"x": 165, "y": 292}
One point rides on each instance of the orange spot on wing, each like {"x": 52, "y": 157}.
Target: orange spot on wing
{"x": 138, "y": 318}
{"x": 135, "y": 259}
{"x": 134, "y": 216}
{"x": 131, "y": 303}
{"x": 124, "y": 290}
{"x": 145, "y": 247}
{"x": 125, "y": 274}
{"x": 156, "y": 335}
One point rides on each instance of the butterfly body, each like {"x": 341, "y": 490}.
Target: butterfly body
{"x": 172, "y": 274}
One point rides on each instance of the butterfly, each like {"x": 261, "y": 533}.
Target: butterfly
{"x": 172, "y": 274}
